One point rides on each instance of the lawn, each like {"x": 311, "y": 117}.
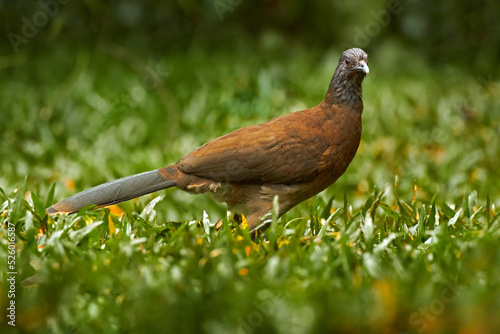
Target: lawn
{"x": 407, "y": 241}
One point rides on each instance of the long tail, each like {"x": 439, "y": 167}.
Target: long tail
{"x": 113, "y": 192}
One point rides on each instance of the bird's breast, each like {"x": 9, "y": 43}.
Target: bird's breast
{"x": 343, "y": 135}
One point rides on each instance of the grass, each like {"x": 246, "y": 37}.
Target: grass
{"x": 407, "y": 241}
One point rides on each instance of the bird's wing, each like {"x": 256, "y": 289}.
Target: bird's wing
{"x": 288, "y": 149}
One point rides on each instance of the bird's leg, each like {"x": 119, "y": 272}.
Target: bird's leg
{"x": 238, "y": 218}
{"x": 255, "y": 223}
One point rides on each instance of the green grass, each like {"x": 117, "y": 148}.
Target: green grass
{"x": 406, "y": 241}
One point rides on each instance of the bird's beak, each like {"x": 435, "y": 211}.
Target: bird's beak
{"x": 362, "y": 67}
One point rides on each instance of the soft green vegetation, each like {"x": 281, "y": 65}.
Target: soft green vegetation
{"x": 408, "y": 240}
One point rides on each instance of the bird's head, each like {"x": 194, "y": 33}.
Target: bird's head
{"x": 354, "y": 63}
{"x": 345, "y": 87}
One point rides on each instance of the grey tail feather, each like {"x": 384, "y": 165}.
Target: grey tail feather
{"x": 114, "y": 192}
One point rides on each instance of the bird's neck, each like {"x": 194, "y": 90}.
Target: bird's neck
{"x": 345, "y": 91}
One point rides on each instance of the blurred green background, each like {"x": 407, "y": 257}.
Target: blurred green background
{"x": 92, "y": 91}
{"x": 95, "y": 90}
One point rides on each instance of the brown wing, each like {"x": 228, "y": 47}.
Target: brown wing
{"x": 287, "y": 149}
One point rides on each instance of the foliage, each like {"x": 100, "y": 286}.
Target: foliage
{"x": 389, "y": 265}
{"x": 460, "y": 32}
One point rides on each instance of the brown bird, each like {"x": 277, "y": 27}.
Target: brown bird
{"x": 294, "y": 156}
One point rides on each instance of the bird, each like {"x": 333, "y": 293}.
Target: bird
{"x": 294, "y": 156}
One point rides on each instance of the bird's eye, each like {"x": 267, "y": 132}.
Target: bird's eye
{"x": 347, "y": 61}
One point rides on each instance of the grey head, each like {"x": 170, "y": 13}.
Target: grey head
{"x": 345, "y": 87}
